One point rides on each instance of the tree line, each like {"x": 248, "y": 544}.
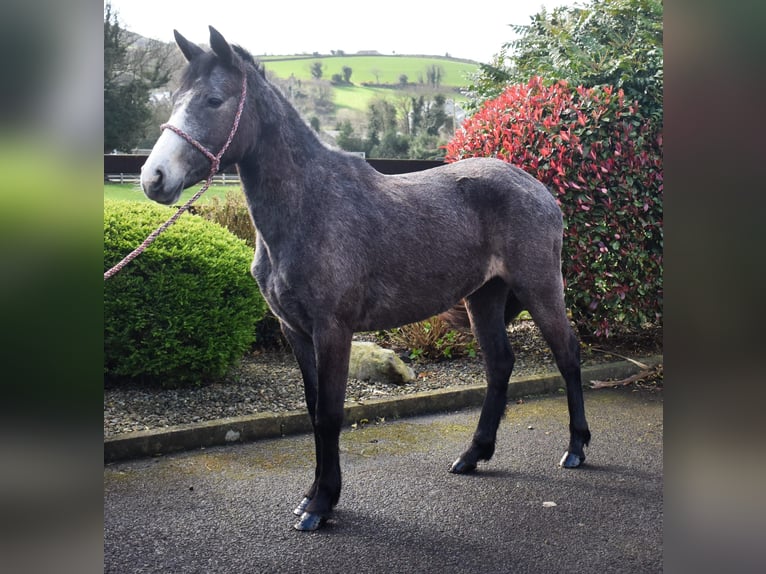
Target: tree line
{"x": 616, "y": 43}
{"x": 603, "y": 42}
{"x": 417, "y": 129}
{"x": 133, "y": 69}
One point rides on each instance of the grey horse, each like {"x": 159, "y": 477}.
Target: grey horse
{"x": 342, "y": 248}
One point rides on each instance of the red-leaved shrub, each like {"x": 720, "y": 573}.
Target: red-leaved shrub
{"x": 602, "y": 160}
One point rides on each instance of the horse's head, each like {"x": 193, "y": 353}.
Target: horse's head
{"x": 204, "y": 107}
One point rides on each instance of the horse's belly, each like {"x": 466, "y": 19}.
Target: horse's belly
{"x": 390, "y": 296}
{"x": 408, "y": 303}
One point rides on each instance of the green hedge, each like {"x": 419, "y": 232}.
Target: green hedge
{"x": 230, "y": 212}
{"x": 186, "y": 309}
{"x": 602, "y": 159}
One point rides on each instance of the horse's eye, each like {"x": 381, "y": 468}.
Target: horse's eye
{"x": 214, "y": 102}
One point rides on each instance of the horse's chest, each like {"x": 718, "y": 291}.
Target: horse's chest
{"x": 266, "y": 276}
{"x": 280, "y": 287}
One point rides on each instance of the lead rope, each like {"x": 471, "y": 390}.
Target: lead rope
{"x": 215, "y": 162}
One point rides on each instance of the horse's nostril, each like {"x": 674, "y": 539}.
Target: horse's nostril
{"x": 152, "y": 179}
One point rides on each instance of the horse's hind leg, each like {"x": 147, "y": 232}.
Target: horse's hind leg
{"x": 486, "y": 309}
{"x": 546, "y": 305}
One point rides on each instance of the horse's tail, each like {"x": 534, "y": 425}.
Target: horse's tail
{"x": 458, "y": 318}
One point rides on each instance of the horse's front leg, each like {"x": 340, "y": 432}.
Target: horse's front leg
{"x": 303, "y": 349}
{"x": 332, "y": 350}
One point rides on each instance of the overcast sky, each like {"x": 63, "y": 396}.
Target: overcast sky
{"x": 474, "y": 30}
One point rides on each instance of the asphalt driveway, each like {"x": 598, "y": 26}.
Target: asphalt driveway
{"x": 228, "y": 509}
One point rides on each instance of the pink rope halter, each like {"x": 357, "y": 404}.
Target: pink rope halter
{"x": 215, "y": 163}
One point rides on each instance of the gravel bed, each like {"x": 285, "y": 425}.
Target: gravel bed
{"x": 271, "y": 382}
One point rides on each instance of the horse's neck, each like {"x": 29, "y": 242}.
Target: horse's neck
{"x": 273, "y": 173}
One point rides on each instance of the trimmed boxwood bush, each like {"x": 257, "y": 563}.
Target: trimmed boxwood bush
{"x": 230, "y": 212}
{"x": 602, "y": 160}
{"x": 185, "y": 310}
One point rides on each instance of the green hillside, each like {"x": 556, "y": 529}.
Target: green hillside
{"x": 377, "y": 69}
{"x": 374, "y": 69}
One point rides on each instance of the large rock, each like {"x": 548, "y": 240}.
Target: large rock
{"x": 370, "y": 362}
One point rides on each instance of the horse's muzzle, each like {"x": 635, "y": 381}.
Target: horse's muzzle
{"x": 158, "y": 187}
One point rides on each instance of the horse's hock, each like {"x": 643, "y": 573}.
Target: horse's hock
{"x": 370, "y": 362}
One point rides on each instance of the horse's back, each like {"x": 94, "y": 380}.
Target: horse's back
{"x": 490, "y": 174}
{"x": 489, "y": 168}
{"x": 489, "y": 189}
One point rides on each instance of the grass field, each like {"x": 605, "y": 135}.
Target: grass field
{"x": 357, "y": 97}
{"x": 378, "y": 69}
{"x": 132, "y": 192}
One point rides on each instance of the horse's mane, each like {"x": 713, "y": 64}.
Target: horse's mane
{"x": 247, "y": 57}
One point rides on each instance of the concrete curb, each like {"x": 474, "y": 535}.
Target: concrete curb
{"x": 268, "y": 425}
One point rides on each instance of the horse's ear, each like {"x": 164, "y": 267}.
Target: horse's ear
{"x": 220, "y": 46}
{"x": 189, "y": 50}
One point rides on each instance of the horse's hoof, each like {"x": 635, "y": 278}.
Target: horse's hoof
{"x": 301, "y": 508}
{"x": 309, "y": 522}
{"x": 571, "y": 460}
{"x": 462, "y": 467}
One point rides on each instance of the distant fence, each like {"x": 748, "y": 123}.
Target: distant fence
{"x": 125, "y": 168}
